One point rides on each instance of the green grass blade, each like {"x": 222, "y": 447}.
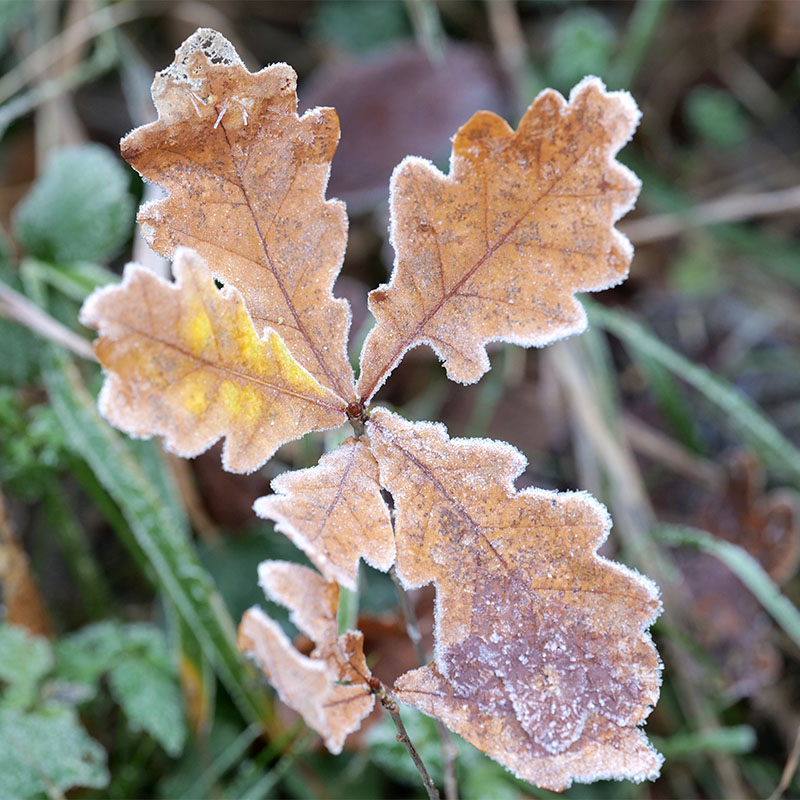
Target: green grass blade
{"x": 161, "y": 535}
{"x": 746, "y": 569}
{"x": 734, "y": 739}
{"x": 770, "y": 443}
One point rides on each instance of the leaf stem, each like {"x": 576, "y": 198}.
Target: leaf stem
{"x": 412, "y": 624}
{"x": 388, "y": 701}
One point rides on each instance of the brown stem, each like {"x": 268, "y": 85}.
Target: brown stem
{"x": 449, "y": 749}
{"x": 388, "y": 701}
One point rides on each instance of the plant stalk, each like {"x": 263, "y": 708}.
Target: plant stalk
{"x": 388, "y": 701}
{"x": 449, "y": 749}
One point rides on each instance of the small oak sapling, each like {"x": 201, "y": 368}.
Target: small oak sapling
{"x": 542, "y": 657}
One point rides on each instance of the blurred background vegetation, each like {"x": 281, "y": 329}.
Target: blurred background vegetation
{"x": 124, "y": 571}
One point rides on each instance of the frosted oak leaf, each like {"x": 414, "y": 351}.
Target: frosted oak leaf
{"x": 542, "y": 658}
{"x": 334, "y": 512}
{"x": 328, "y": 689}
{"x": 184, "y": 361}
{"x": 497, "y": 249}
{"x": 246, "y": 179}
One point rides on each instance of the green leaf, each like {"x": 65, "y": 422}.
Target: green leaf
{"x": 582, "y": 43}
{"x": 715, "y": 116}
{"x": 150, "y": 697}
{"x": 379, "y": 24}
{"x": 162, "y": 537}
{"x": 79, "y": 209}
{"x": 85, "y": 656}
{"x": 24, "y": 661}
{"x": 46, "y": 751}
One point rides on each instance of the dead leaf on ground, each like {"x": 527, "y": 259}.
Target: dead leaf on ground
{"x": 21, "y": 601}
{"x": 328, "y": 688}
{"x": 497, "y": 249}
{"x": 731, "y": 626}
{"x": 376, "y": 133}
{"x": 542, "y": 658}
{"x": 766, "y": 524}
{"x": 334, "y": 512}
{"x": 247, "y": 178}
{"x": 184, "y": 362}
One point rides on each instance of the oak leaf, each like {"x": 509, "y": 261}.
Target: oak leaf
{"x": 541, "y": 659}
{"x": 334, "y": 512}
{"x": 184, "y": 361}
{"x": 328, "y": 688}
{"x": 496, "y": 249}
{"x": 247, "y": 178}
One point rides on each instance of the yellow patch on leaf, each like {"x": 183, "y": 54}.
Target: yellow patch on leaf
{"x": 185, "y": 362}
{"x": 542, "y": 657}
{"x": 246, "y": 179}
{"x": 496, "y": 249}
{"x": 328, "y": 689}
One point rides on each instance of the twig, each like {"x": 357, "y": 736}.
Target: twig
{"x": 789, "y": 769}
{"x": 731, "y": 208}
{"x": 388, "y": 701}
{"x": 449, "y": 749}
{"x": 17, "y": 307}
{"x": 412, "y": 624}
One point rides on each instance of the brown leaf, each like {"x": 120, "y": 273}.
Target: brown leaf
{"x": 334, "y": 512}
{"x": 376, "y": 133}
{"x": 247, "y": 180}
{"x": 21, "y": 601}
{"x": 731, "y": 626}
{"x": 542, "y": 659}
{"x": 185, "y": 362}
{"x": 328, "y": 688}
{"x": 496, "y": 249}
{"x": 766, "y": 524}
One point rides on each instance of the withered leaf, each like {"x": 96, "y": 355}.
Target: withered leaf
{"x": 247, "y": 178}
{"x": 185, "y": 362}
{"x": 766, "y": 524}
{"x": 542, "y": 659}
{"x": 496, "y": 249}
{"x": 334, "y": 512}
{"x": 328, "y": 689}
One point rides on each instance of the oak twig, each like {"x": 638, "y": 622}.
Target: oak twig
{"x": 388, "y": 701}
{"x": 449, "y": 750}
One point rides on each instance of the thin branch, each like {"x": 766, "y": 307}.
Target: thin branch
{"x": 412, "y": 624}
{"x": 731, "y": 208}
{"x": 17, "y": 307}
{"x": 789, "y": 769}
{"x": 388, "y": 701}
{"x": 449, "y": 749}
